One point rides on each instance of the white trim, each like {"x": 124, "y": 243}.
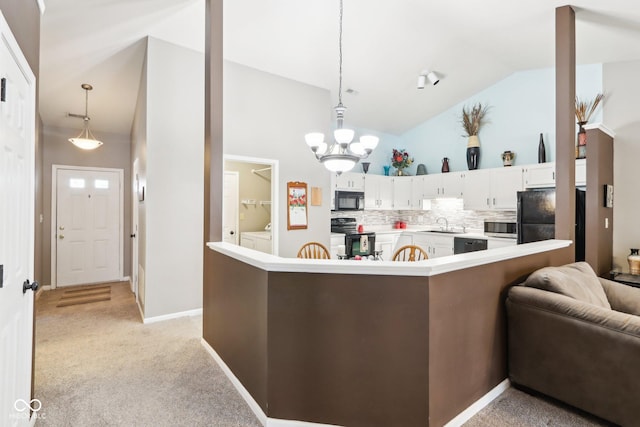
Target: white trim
{"x": 275, "y": 199}
{"x": 41, "y": 6}
{"x": 140, "y": 309}
{"x": 253, "y": 405}
{"x": 46, "y": 288}
{"x": 429, "y": 267}
{"x": 196, "y": 312}
{"x": 479, "y": 404}
{"x": 54, "y": 215}
{"x": 602, "y": 127}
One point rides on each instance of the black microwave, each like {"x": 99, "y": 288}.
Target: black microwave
{"x": 349, "y": 201}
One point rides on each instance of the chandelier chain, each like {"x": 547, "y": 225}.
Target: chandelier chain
{"x": 340, "y": 50}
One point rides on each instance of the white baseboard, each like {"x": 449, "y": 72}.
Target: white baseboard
{"x": 477, "y": 406}
{"x": 253, "y": 405}
{"x": 196, "y": 312}
{"x": 46, "y": 288}
{"x": 126, "y": 279}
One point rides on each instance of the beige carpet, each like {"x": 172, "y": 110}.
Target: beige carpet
{"x": 98, "y": 365}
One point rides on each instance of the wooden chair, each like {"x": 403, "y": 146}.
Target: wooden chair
{"x": 314, "y": 250}
{"x": 410, "y": 253}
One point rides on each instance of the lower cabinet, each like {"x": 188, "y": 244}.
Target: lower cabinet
{"x": 434, "y": 245}
{"x": 257, "y": 240}
{"x": 387, "y": 243}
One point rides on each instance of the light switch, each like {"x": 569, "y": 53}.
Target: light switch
{"x": 606, "y": 223}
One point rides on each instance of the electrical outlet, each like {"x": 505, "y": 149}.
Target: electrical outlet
{"x": 241, "y": 216}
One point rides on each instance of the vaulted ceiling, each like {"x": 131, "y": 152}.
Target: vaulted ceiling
{"x": 471, "y": 44}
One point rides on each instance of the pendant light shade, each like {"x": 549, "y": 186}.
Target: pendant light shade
{"x": 85, "y": 140}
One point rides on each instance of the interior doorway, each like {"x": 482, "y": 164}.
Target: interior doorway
{"x": 87, "y": 223}
{"x": 256, "y": 207}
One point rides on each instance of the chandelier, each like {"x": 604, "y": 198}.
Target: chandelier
{"x": 85, "y": 140}
{"x": 343, "y": 154}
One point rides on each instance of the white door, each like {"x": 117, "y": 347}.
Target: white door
{"x": 17, "y": 130}
{"x": 230, "y": 195}
{"x": 87, "y": 226}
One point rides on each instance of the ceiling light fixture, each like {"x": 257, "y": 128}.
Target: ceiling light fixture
{"x": 85, "y": 140}
{"x": 343, "y": 154}
{"x": 427, "y": 75}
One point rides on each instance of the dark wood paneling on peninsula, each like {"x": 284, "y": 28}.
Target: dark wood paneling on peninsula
{"x": 235, "y": 320}
{"x": 348, "y": 349}
{"x": 363, "y": 350}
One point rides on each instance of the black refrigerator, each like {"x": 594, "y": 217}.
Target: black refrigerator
{"x": 537, "y": 215}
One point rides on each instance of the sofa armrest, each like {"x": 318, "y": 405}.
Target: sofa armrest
{"x": 622, "y": 297}
{"x": 562, "y": 305}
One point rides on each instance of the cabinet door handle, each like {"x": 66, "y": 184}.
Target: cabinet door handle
{"x": 553, "y": 175}
{"x": 494, "y": 201}
{"x": 487, "y": 201}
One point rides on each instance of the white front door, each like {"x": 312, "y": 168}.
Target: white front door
{"x": 17, "y": 140}
{"x": 230, "y": 200}
{"x": 88, "y": 233}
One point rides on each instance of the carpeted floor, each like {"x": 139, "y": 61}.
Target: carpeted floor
{"x": 98, "y": 365}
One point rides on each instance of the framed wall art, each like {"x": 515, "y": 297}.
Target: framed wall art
{"x": 297, "y": 215}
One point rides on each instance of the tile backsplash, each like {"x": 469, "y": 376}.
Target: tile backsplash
{"x": 452, "y": 209}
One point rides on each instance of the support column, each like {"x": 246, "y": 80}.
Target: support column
{"x": 213, "y": 149}
{"x": 565, "y": 122}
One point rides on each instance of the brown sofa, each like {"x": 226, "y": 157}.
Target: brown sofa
{"x": 576, "y": 337}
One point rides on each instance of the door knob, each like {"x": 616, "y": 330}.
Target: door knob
{"x": 133, "y": 235}
{"x": 60, "y": 236}
{"x": 232, "y": 232}
{"x": 33, "y": 286}
{"x": 61, "y": 227}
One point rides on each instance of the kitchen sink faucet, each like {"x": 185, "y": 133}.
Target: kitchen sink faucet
{"x": 446, "y": 223}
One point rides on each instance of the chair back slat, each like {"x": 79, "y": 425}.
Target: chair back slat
{"x": 314, "y": 250}
{"x": 410, "y": 253}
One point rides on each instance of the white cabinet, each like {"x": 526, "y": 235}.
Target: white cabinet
{"x": 257, "y": 240}
{"x": 487, "y": 189}
{"x": 505, "y": 184}
{"x": 434, "y": 245}
{"x": 378, "y": 192}
{"x": 581, "y": 172}
{"x": 450, "y": 184}
{"x": 402, "y": 192}
{"x": 350, "y": 181}
{"x": 403, "y": 240}
{"x": 417, "y": 192}
{"x": 337, "y": 239}
{"x": 387, "y": 242}
{"x": 541, "y": 175}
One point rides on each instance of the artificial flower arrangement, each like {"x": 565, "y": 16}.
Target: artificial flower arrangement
{"x": 400, "y": 159}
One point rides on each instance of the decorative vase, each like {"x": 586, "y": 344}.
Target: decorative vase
{"x": 473, "y": 152}
{"x": 581, "y": 141}
{"x": 445, "y": 165}
{"x": 386, "y": 170}
{"x": 634, "y": 262}
{"x": 542, "y": 155}
{"x": 507, "y": 158}
{"x": 422, "y": 169}
{"x": 365, "y": 167}
{"x": 400, "y": 172}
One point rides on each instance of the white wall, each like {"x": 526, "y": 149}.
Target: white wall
{"x": 173, "y": 205}
{"x": 622, "y": 92}
{"x": 267, "y": 116}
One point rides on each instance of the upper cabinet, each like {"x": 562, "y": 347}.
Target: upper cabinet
{"x": 487, "y": 189}
{"x": 543, "y": 175}
{"x": 378, "y": 192}
{"x": 350, "y": 181}
{"x": 403, "y": 191}
{"x": 448, "y": 184}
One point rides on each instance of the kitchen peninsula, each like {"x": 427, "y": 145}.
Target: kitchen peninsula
{"x": 364, "y": 343}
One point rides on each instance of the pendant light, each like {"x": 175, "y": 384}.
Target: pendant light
{"x": 343, "y": 154}
{"x": 85, "y": 140}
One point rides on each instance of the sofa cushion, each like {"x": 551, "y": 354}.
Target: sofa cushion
{"x": 577, "y": 280}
